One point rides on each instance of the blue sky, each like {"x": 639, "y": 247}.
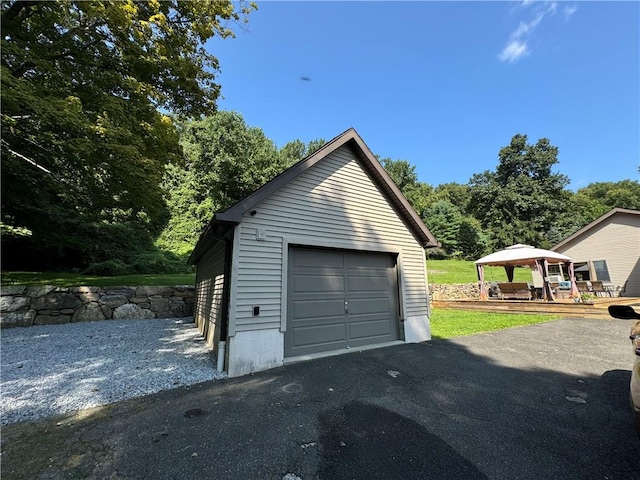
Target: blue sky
{"x": 445, "y": 85}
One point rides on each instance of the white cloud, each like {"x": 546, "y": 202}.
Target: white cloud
{"x": 514, "y": 50}
{"x": 527, "y": 28}
{"x": 517, "y": 46}
{"x": 568, "y": 11}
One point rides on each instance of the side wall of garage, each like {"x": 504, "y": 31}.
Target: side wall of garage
{"x": 209, "y": 287}
{"x": 332, "y": 204}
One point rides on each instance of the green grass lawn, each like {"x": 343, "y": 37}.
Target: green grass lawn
{"x": 457, "y": 323}
{"x": 464, "y": 271}
{"x": 75, "y": 279}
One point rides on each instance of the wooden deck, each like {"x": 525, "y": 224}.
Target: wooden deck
{"x": 564, "y": 307}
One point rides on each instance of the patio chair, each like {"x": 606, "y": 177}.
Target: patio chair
{"x": 515, "y": 290}
{"x": 597, "y": 287}
{"x": 583, "y": 286}
{"x": 561, "y": 289}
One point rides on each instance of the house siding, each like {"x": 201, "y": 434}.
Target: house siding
{"x": 616, "y": 240}
{"x": 333, "y": 202}
{"x": 209, "y": 287}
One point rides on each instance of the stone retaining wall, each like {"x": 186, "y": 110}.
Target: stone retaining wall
{"x": 22, "y": 306}
{"x": 455, "y": 291}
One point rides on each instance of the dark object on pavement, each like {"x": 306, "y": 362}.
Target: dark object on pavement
{"x": 625, "y": 312}
{"x": 194, "y": 412}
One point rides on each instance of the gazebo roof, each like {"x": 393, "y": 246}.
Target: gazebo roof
{"x": 522, "y": 255}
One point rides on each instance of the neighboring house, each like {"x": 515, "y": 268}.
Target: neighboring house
{"x": 608, "y": 249}
{"x": 325, "y": 257}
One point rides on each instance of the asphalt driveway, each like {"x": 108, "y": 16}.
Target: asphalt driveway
{"x": 546, "y": 401}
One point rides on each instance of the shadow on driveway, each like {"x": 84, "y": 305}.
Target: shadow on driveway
{"x": 547, "y": 401}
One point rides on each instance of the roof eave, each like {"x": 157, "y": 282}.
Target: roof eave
{"x": 209, "y": 236}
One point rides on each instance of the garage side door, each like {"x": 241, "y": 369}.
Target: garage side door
{"x": 339, "y": 299}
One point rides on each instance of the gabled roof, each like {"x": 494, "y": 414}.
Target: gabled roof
{"x": 595, "y": 223}
{"x": 351, "y": 139}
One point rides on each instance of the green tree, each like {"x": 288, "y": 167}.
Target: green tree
{"x": 609, "y": 195}
{"x": 473, "y": 243}
{"x": 226, "y": 160}
{"x": 294, "y": 151}
{"x": 443, "y": 220}
{"x": 401, "y": 172}
{"x": 456, "y": 193}
{"x": 419, "y": 194}
{"x": 83, "y": 142}
{"x": 521, "y": 200}
{"x": 230, "y": 158}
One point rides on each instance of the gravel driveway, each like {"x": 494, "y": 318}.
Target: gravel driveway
{"x": 53, "y": 369}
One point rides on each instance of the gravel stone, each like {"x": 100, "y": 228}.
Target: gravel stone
{"x": 84, "y": 365}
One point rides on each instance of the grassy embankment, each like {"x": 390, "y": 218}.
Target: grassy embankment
{"x": 461, "y": 271}
{"x": 444, "y": 323}
{"x": 74, "y": 279}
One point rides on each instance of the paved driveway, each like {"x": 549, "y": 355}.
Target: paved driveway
{"x": 546, "y": 401}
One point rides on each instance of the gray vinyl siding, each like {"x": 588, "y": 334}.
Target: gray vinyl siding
{"x": 259, "y": 281}
{"x": 209, "y": 286}
{"x": 616, "y": 240}
{"x": 333, "y": 201}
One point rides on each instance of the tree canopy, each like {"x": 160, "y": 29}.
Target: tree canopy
{"x": 225, "y": 161}
{"x": 84, "y": 142}
{"x": 520, "y": 201}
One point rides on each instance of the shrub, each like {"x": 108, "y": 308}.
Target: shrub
{"x": 146, "y": 263}
{"x": 109, "y": 268}
{"x": 437, "y": 253}
{"x": 159, "y": 262}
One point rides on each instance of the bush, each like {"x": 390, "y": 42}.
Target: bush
{"x": 159, "y": 262}
{"x": 437, "y": 253}
{"x": 109, "y": 268}
{"x": 146, "y": 263}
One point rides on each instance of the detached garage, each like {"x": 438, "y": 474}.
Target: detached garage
{"x": 326, "y": 257}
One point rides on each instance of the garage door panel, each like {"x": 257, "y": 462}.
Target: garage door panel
{"x": 318, "y": 283}
{"x": 366, "y": 260}
{"x": 320, "y": 334}
{"x": 317, "y": 309}
{"x": 369, "y": 306}
{"x": 369, "y": 329}
{"x": 373, "y": 283}
{"x": 319, "y": 258}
